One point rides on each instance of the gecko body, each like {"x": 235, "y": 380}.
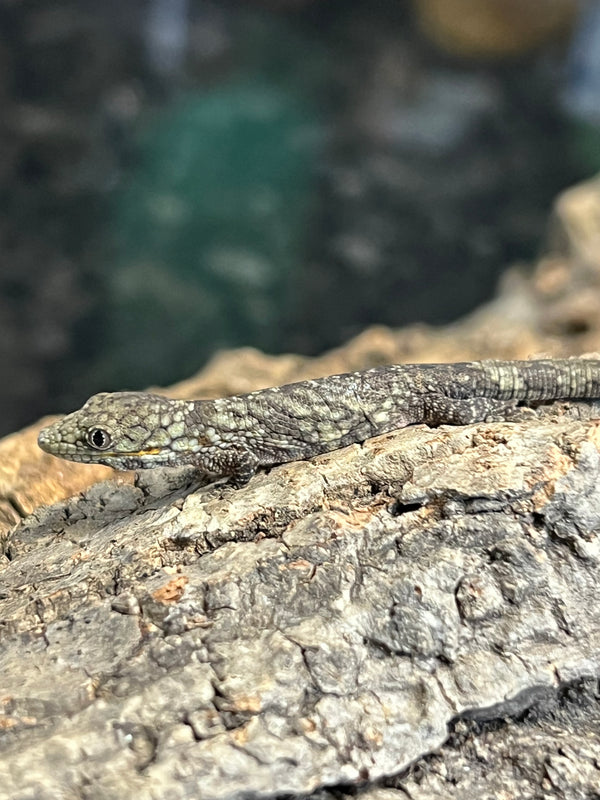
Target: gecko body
{"x": 234, "y": 436}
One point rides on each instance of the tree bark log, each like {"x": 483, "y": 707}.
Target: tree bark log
{"x": 332, "y": 623}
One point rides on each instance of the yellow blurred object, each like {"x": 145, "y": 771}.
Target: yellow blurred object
{"x": 494, "y": 28}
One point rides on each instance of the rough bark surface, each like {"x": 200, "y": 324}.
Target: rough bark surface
{"x": 417, "y": 617}
{"x": 328, "y": 625}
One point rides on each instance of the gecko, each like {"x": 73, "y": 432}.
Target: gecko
{"x": 234, "y": 436}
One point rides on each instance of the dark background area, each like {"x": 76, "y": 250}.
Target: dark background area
{"x": 181, "y": 177}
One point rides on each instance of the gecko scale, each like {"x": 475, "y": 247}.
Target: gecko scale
{"x": 233, "y": 436}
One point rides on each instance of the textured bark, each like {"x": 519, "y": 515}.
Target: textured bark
{"x": 415, "y": 617}
{"x": 327, "y": 625}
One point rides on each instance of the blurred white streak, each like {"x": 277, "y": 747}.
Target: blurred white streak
{"x": 167, "y": 31}
{"x": 581, "y": 96}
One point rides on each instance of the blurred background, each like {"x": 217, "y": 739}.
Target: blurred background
{"x": 183, "y": 176}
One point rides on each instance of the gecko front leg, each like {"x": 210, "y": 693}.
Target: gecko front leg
{"x": 239, "y": 464}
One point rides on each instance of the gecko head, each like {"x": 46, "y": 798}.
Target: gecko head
{"x": 124, "y": 430}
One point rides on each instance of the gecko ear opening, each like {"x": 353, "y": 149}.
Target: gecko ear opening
{"x": 98, "y": 438}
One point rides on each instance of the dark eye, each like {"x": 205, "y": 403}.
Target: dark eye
{"x": 98, "y": 438}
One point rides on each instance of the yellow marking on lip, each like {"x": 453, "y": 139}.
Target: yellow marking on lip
{"x": 153, "y": 452}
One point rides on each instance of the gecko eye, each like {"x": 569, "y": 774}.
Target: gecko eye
{"x": 98, "y": 438}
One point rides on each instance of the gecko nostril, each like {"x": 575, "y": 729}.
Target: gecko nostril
{"x": 44, "y": 438}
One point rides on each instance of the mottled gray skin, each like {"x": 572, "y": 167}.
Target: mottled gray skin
{"x": 233, "y": 436}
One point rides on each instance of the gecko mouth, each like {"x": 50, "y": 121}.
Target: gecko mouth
{"x": 154, "y": 451}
